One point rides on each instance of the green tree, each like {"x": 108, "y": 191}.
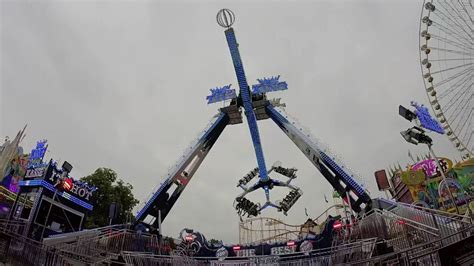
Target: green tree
{"x": 109, "y": 189}
{"x": 215, "y": 242}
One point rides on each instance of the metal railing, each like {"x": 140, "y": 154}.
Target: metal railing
{"x": 467, "y": 218}
{"x": 358, "y": 250}
{"x": 110, "y": 243}
{"x": 422, "y": 254}
{"x": 415, "y": 235}
{"x": 398, "y": 232}
{"x": 13, "y": 226}
{"x": 446, "y": 224}
{"x": 20, "y": 250}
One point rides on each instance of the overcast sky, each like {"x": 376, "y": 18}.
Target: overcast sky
{"x": 123, "y": 85}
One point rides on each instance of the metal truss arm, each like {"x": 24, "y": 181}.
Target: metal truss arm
{"x": 335, "y": 173}
{"x": 163, "y": 199}
{"x": 247, "y": 101}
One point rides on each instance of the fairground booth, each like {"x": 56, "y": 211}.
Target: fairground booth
{"x": 49, "y": 201}
{"x": 423, "y": 184}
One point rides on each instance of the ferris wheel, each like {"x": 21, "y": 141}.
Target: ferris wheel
{"x": 446, "y": 56}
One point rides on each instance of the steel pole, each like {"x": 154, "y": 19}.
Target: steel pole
{"x": 350, "y": 207}
{"x": 159, "y": 232}
{"x": 47, "y": 215}
{"x": 386, "y": 194}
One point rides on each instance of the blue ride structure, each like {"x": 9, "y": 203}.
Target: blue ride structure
{"x": 253, "y": 100}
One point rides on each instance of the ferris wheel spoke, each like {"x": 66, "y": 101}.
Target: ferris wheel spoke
{"x": 457, "y": 14}
{"x": 446, "y": 59}
{"x": 449, "y": 31}
{"x": 465, "y": 10}
{"x": 469, "y": 141}
{"x": 466, "y": 71}
{"x": 459, "y": 84}
{"x": 452, "y": 59}
{"x": 449, "y": 50}
{"x": 461, "y": 46}
{"x": 454, "y": 35}
{"x": 451, "y": 68}
{"x": 458, "y": 109}
{"x": 464, "y": 138}
{"x": 457, "y": 122}
{"x": 463, "y": 118}
{"x": 455, "y": 100}
{"x": 453, "y": 26}
{"x": 464, "y": 125}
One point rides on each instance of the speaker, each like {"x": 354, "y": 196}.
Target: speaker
{"x": 67, "y": 167}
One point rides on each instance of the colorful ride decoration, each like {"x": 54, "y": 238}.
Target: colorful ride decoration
{"x": 428, "y": 188}
{"x": 15, "y": 172}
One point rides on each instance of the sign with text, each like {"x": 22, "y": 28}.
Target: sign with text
{"x": 35, "y": 172}
{"x": 283, "y": 250}
{"x": 56, "y": 175}
{"x": 426, "y": 120}
{"x": 431, "y": 169}
{"x": 245, "y": 252}
{"x": 37, "y": 154}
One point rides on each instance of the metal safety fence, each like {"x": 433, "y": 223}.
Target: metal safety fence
{"x": 357, "y": 250}
{"x": 409, "y": 236}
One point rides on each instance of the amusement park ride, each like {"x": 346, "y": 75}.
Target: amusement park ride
{"x": 256, "y": 107}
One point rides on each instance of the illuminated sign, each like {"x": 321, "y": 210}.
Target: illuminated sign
{"x": 431, "y": 169}
{"x": 37, "y": 154}
{"x": 35, "y": 172}
{"x": 43, "y": 183}
{"x": 244, "y": 252}
{"x": 283, "y": 250}
{"x": 67, "y": 184}
{"x": 221, "y": 94}
{"x": 83, "y": 190}
{"x": 269, "y": 85}
{"x": 426, "y": 120}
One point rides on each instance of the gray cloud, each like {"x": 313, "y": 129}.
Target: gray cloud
{"x": 123, "y": 85}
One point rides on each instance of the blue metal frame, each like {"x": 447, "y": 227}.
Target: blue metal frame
{"x": 334, "y": 173}
{"x": 42, "y": 183}
{"x": 247, "y": 102}
{"x": 163, "y": 198}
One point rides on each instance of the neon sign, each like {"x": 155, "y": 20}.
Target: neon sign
{"x": 35, "y": 172}
{"x": 283, "y": 250}
{"x": 431, "y": 169}
{"x": 67, "y": 184}
{"x": 426, "y": 120}
{"x": 37, "y": 154}
{"x": 244, "y": 252}
{"x": 221, "y": 94}
{"x": 269, "y": 85}
{"x": 77, "y": 187}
